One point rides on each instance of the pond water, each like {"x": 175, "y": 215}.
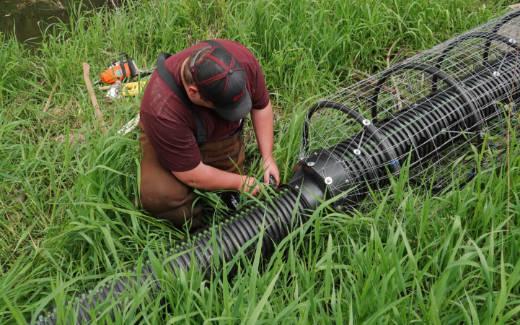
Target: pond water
{"x": 27, "y": 18}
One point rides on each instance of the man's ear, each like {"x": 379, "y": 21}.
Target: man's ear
{"x": 193, "y": 90}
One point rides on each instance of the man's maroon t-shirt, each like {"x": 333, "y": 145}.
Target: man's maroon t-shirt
{"x": 171, "y": 126}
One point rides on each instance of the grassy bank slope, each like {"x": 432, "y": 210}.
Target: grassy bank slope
{"x": 68, "y": 215}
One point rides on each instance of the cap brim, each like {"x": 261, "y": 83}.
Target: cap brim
{"x": 236, "y": 111}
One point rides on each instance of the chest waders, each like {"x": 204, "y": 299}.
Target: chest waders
{"x": 165, "y": 196}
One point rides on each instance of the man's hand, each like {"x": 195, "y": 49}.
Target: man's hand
{"x": 271, "y": 170}
{"x": 249, "y": 185}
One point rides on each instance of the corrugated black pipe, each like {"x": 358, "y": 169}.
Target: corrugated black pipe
{"x": 277, "y": 217}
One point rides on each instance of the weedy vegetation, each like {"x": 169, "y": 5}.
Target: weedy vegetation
{"x": 69, "y": 215}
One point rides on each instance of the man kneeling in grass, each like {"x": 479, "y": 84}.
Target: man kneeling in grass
{"x": 191, "y": 127}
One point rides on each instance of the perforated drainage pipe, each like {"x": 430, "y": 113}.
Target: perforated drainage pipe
{"x": 424, "y": 130}
{"x": 276, "y": 218}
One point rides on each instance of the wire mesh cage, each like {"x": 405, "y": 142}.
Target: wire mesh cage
{"x": 423, "y": 112}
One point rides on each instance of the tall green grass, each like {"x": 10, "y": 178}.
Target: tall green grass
{"x": 68, "y": 208}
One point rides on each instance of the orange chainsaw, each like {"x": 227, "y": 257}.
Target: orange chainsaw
{"x": 123, "y": 70}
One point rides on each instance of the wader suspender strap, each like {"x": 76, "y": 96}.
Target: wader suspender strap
{"x": 168, "y": 79}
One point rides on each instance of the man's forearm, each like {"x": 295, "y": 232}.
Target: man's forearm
{"x": 209, "y": 178}
{"x": 263, "y": 126}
